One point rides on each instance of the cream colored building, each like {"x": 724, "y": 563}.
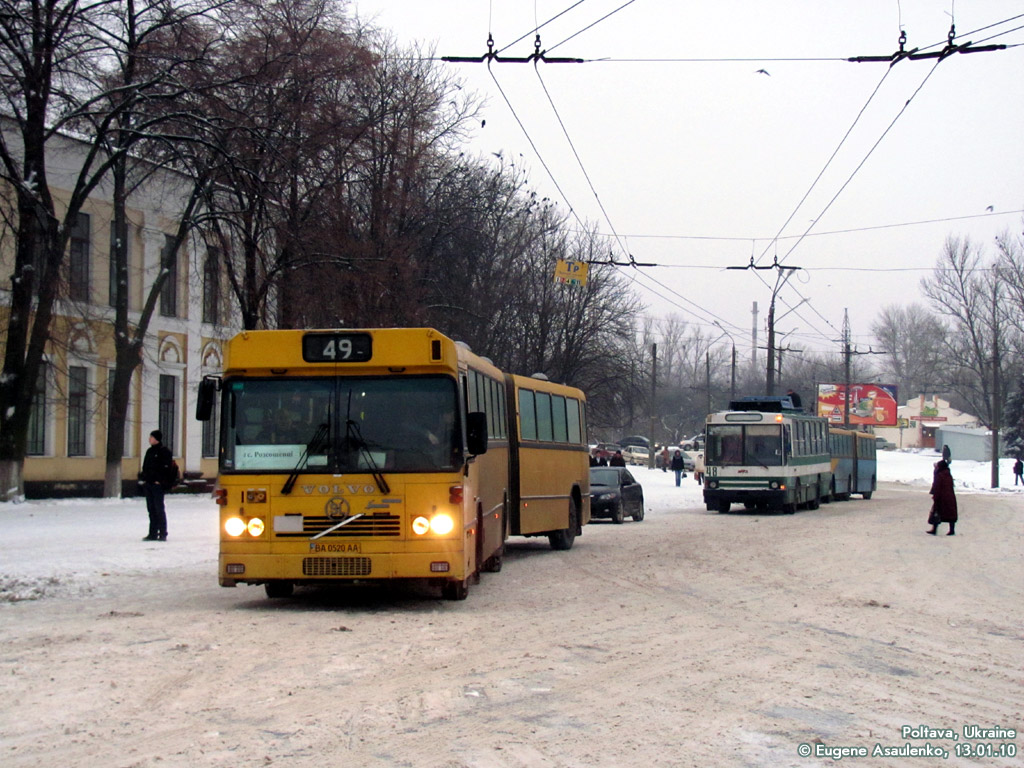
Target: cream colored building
{"x": 67, "y": 440}
{"x": 919, "y": 419}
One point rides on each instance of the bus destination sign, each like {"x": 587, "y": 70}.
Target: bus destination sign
{"x": 337, "y": 347}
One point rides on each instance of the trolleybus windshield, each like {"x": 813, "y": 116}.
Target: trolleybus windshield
{"x": 750, "y": 444}
{"x": 342, "y": 425}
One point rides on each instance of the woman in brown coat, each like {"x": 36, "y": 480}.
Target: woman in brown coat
{"x": 944, "y": 499}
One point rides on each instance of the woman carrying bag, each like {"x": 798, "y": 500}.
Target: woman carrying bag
{"x": 943, "y": 500}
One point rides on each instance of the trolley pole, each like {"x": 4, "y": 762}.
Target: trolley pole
{"x": 654, "y": 385}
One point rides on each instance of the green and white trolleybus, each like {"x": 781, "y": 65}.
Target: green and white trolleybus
{"x": 765, "y": 454}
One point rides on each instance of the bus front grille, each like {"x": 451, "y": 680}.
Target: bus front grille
{"x": 336, "y": 566}
{"x": 367, "y": 525}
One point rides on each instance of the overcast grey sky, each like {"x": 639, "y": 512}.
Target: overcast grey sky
{"x": 700, "y": 164}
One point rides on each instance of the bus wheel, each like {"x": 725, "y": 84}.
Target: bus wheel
{"x": 279, "y": 588}
{"x": 455, "y": 590}
{"x": 723, "y": 507}
{"x": 619, "y": 514}
{"x": 564, "y": 539}
{"x": 815, "y": 500}
{"x": 831, "y": 492}
{"x": 493, "y": 563}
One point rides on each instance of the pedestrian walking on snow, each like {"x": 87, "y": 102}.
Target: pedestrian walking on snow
{"x": 678, "y": 466}
{"x": 943, "y": 500}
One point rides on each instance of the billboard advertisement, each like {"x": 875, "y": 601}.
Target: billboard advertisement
{"x": 873, "y": 404}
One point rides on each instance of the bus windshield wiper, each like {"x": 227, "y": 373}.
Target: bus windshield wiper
{"x": 355, "y": 436}
{"x": 319, "y": 437}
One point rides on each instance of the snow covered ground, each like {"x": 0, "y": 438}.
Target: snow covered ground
{"x": 688, "y": 639}
{"x": 74, "y": 545}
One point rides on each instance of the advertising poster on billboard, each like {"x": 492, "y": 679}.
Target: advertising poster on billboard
{"x": 873, "y": 404}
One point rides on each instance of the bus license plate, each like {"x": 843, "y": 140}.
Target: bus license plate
{"x": 336, "y": 547}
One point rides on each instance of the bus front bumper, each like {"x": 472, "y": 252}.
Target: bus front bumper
{"x": 326, "y": 566}
{"x": 772, "y": 498}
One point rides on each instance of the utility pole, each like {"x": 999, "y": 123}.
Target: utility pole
{"x": 732, "y": 376}
{"x": 848, "y": 353}
{"x": 654, "y": 387}
{"x": 770, "y": 380}
{"x": 996, "y": 405}
{"x": 707, "y": 377}
{"x": 846, "y": 369}
{"x": 784, "y": 273}
{"x": 753, "y": 342}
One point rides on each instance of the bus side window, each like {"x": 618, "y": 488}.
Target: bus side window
{"x": 527, "y": 416}
{"x": 544, "y": 430}
{"x": 559, "y": 420}
{"x": 573, "y": 413}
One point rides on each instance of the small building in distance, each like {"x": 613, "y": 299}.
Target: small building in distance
{"x": 920, "y": 419}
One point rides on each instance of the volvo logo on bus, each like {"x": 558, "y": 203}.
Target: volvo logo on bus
{"x": 337, "y": 508}
{"x": 324, "y": 490}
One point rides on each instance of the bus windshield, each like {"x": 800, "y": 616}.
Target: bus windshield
{"x": 341, "y": 424}
{"x": 731, "y": 444}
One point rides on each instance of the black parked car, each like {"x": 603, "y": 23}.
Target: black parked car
{"x": 615, "y": 493}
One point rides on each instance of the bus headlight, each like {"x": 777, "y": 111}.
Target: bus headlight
{"x": 712, "y": 483}
{"x": 234, "y": 526}
{"x": 442, "y": 524}
{"x": 255, "y": 527}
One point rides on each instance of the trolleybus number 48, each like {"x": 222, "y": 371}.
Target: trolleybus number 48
{"x": 336, "y": 347}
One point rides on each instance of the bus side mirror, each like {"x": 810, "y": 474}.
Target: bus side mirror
{"x": 207, "y": 395}
{"x": 476, "y": 432}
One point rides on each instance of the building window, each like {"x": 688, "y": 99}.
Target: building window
{"x": 78, "y": 259}
{"x": 36, "y": 445}
{"x": 211, "y": 286}
{"x": 169, "y": 293}
{"x": 77, "y": 410}
{"x": 210, "y": 429}
{"x": 167, "y": 408}
{"x": 114, "y": 287}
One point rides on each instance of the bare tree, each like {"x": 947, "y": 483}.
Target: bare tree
{"x": 970, "y": 294}
{"x": 51, "y": 64}
{"x": 913, "y": 340}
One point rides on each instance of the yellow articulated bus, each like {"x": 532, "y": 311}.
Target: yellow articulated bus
{"x": 362, "y": 455}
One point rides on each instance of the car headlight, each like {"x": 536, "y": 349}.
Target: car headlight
{"x": 606, "y": 496}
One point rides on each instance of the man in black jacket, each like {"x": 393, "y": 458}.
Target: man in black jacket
{"x": 156, "y": 468}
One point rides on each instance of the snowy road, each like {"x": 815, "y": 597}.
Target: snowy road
{"x": 687, "y": 639}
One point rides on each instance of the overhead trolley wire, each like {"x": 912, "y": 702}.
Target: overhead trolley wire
{"x": 860, "y": 165}
{"x": 591, "y": 26}
{"x": 572, "y": 210}
{"x": 828, "y": 232}
{"x": 541, "y": 26}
